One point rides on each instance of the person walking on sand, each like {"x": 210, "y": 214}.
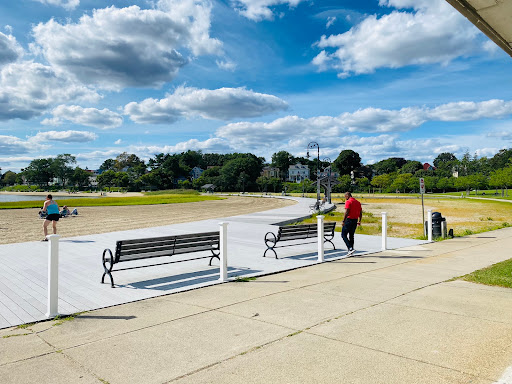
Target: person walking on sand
{"x": 352, "y": 218}
{"x": 52, "y": 209}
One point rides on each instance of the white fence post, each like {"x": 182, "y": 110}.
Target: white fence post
{"x": 223, "y": 268}
{"x": 53, "y": 276}
{"x": 384, "y": 231}
{"x": 429, "y": 229}
{"x": 320, "y": 235}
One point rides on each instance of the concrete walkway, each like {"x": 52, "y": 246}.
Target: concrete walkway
{"x": 386, "y": 317}
{"x": 23, "y": 266}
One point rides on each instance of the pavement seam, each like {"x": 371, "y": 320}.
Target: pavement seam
{"x": 399, "y": 356}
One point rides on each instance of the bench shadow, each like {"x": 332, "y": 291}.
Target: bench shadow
{"x": 77, "y": 241}
{"x": 313, "y": 256}
{"x": 188, "y": 279}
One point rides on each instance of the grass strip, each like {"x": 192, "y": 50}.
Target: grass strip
{"x": 112, "y": 201}
{"x": 173, "y": 192}
{"x": 499, "y": 274}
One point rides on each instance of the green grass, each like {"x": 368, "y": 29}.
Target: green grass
{"x": 240, "y": 279}
{"x": 485, "y": 193}
{"x": 112, "y": 201}
{"x": 499, "y": 274}
{"x": 173, "y": 192}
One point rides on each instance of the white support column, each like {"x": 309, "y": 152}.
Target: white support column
{"x": 53, "y": 276}
{"x": 223, "y": 268}
{"x": 384, "y": 231}
{"x": 429, "y": 228}
{"x": 320, "y": 235}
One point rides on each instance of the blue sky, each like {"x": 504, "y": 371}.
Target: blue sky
{"x": 386, "y": 78}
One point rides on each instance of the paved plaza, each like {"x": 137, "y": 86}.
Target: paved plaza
{"x": 381, "y": 318}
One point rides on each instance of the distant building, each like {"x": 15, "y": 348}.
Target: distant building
{"x": 93, "y": 176}
{"x": 195, "y": 173}
{"x": 270, "y": 172}
{"x": 428, "y": 167}
{"x": 298, "y": 172}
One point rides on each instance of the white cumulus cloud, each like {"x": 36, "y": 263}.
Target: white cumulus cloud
{"x": 433, "y": 33}
{"x": 11, "y": 145}
{"x": 220, "y": 104}
{"x": 64, "y": 136}
{"x": 91, "y": 117}
{"x": 295, "y": 131}
{"x": 119, "y": 47}
{"x": 28, "y": 89}
{"x": 258, "y": 10}
{"x": 10, "y": 50}
{"x": 66, "y": 4}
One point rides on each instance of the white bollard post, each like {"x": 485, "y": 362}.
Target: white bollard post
{"x": 429, "y": 229}
{"x": 53, "y": 276}
{"x": 384, "y": 231}
{"x": 320, "y": 235}
{"x": 223, "y": 268}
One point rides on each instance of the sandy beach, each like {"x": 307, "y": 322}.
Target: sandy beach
{"x": 20, "y": 225}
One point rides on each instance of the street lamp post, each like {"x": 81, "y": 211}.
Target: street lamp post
{"x": 328, "y": 179}
{"x": 313, "y": 145}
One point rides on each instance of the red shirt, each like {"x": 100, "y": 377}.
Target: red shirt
{"x": 354, "y": 207}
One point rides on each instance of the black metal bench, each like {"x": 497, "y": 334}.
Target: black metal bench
{"x": 148, "y": 248}
{"x": 298, "y": 232}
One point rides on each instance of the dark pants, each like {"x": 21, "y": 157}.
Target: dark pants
{"x": 347, "y": 232}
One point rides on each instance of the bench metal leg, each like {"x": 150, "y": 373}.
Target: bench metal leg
{"x": 269, "y": 249}
{"x": 329, "y": 241}
{"x": 109, "y": 269}
{"x": 215, "y": 256}
{"x": 270, "y": 242}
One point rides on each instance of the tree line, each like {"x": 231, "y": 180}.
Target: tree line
{"x": 242, "y": 172}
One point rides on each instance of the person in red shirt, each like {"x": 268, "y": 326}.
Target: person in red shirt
{"x": 352, "y": 218}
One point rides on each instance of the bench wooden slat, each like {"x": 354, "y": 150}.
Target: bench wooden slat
{"x": 168, "y": 238}
{"x": 168, "y": 244}
{"x": 299, "y": 232}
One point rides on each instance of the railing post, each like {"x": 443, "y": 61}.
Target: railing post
{"x": 429, "y": 229}
{"x": 320, "y": 235}
{"x": 384, "y": 231}
{"x": 53, "y": 276}
{"x": 223, "y": 268}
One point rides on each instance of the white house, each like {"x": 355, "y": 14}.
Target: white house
{"x": 298, "y": 172}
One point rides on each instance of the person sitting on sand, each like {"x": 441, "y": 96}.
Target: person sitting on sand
{"x": 65, "y": 211}
{"x": 52, "y": 209}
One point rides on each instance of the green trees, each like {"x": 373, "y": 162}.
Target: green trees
{"x": 8, "y": 178}
{"x": 62, "y": 167}
{"x": 382, "y": 182}
{"x": 39, "y": 172}
{"x": 80, "y": 177}
{"x": 501, "y": 178}
{"x": 283, "y": 160}
{"x": 347, "y": 161}
{"x": 411, "y": 166}
{"x": 401, "y": 182}
{"x": 241, "y": 173}
{"x": 393, "y": 164}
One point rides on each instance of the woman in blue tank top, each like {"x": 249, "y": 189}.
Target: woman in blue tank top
{"x": 52, "y": 209}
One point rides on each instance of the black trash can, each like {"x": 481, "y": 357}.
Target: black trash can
{"x": 437, "y": 220}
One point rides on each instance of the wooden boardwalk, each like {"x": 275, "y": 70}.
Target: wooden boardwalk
{"x": 23, "y": 266}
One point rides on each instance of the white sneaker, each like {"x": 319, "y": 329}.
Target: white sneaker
{"x": 350, "y": 252}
